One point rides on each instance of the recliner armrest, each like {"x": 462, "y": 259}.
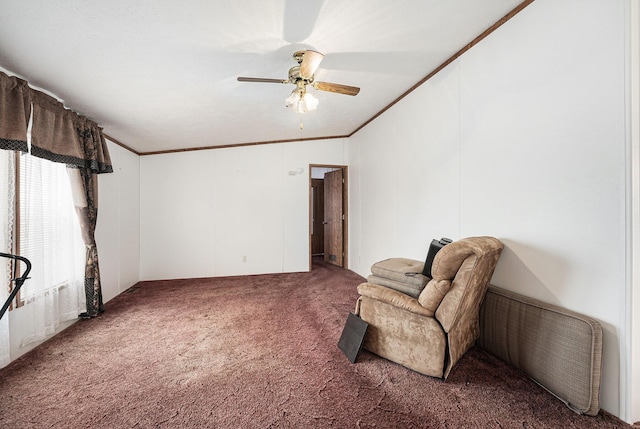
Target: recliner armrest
{"x": 393, "y": 297}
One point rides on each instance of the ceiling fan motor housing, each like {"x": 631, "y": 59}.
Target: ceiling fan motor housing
{"x": 294, "y": 76}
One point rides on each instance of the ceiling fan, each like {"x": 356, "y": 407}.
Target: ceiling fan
{"x": 301, "y": 76}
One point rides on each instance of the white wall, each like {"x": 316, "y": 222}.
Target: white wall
{"x": 522, "y": 138}
{"x": 118, "y": 228}
{"x": 229, "y": 211}
{"x": 633, "y": 319}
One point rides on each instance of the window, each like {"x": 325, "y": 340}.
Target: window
{"x": 46, "y": 231}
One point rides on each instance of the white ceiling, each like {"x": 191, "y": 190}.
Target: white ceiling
{"x": 161, "y": 75}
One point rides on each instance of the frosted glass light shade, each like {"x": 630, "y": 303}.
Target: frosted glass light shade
{"x": 301, "y": 101}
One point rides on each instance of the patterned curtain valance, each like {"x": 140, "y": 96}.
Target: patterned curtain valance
{"x": 96, "y": 153}
{"x": 15, "y": 110}
{"x": 58, "y": 134}
{"x": 61, "y": 135}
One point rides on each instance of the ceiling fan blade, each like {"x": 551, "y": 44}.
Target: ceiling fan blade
{"x": 261, "y": 79}
{"x": 337, "y": 88}
{"x": 310, "y": 63}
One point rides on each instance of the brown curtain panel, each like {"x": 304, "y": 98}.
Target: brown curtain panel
{"x": 84, "y": 188}
{"x": 15, "y": 110}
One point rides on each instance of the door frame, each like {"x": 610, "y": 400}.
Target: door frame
{"x": 345, "y": 207}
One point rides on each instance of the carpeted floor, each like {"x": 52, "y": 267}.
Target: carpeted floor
{"x": 254, "y": 352}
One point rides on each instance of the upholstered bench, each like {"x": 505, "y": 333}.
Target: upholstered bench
{"x": 559, "y": 349}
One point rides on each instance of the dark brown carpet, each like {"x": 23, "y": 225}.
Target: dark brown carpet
{"x": 254, "y": 352}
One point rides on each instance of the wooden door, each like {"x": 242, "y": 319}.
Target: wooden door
{"x": 333, "y": 217}
{"x": 317, "y": 216}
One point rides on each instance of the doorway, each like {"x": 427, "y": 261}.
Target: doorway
{"x": 328, "y": 218}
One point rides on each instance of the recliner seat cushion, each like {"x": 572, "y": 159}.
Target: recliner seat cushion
{"x": 403, "y": 270}
{"x": 408, "y": 288}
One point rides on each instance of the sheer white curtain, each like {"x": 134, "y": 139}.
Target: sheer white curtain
{"x": 50, "y": 238}
{"x": 6, "y": 221}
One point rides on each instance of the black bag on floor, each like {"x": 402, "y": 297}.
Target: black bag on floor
{"x": 352, "y": 336}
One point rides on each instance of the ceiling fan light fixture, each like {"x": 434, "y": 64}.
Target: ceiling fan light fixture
{"x": 293, "y": 99}
{"x": 310, "y": 101}
{"x": 301, "y": 101}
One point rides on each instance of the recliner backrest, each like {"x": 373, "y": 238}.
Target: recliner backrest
{"x": 469, "y": 264}
{"x": 446, "y": 266}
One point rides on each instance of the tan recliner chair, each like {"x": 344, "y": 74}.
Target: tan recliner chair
{"x": 430, "y": 333}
